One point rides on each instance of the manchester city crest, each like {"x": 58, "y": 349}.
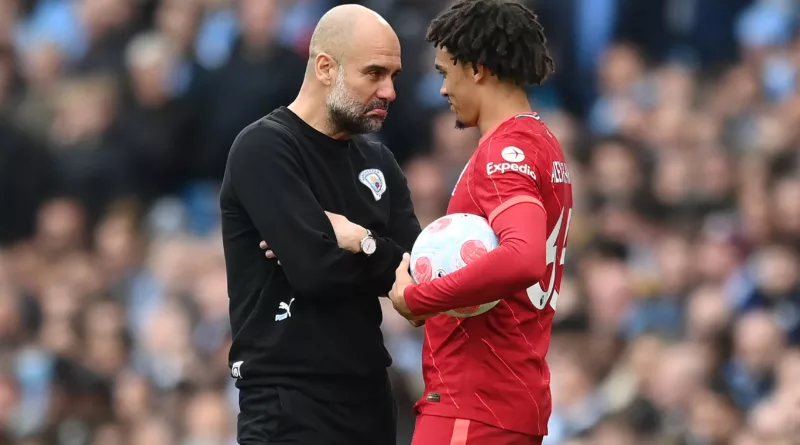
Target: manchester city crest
{"x": 374, "y": 180}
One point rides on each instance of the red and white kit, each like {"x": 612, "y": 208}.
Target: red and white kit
{"x": 486, "y": 379}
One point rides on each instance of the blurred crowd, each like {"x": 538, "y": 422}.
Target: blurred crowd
{"x": 679, "y": 317}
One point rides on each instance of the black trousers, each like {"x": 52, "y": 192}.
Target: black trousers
{"x": 286, "y": 416}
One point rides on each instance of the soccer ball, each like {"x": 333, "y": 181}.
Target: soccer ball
{"x": 448, "y": 244}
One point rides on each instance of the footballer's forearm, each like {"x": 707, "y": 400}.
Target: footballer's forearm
{"x": 517, "y": 263}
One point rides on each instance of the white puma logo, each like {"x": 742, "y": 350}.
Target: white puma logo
{"x": 287, "y": 308}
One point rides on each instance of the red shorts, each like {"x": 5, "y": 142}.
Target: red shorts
{"x": 435, "y": 430}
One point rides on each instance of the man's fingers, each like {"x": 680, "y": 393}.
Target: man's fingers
{"x": 416, "y": 323}
{"x": 269, "y": 254}
{"x": 404, "y": 264}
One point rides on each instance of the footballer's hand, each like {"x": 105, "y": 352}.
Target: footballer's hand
{"x": 269, "y": 253}
{"x": 397, "y": 294}
{"x": 348, "y": 234}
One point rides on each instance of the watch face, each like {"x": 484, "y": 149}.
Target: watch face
{"x": 369, "y": 246}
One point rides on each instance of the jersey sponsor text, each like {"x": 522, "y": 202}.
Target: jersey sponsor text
{"x": 503, "y": 167}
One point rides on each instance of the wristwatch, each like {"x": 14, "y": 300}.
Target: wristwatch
{"x": 368, "y": 244}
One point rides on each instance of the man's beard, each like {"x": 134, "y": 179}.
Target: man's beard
{"x": 348, "y": 114}
{"x": 459, "y": 124}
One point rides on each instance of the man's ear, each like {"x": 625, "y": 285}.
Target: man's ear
{"x": 324, "y": 67}
{"x": 479, "y": 73}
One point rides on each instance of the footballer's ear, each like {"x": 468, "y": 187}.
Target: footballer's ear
{"x": 479, "y": 73}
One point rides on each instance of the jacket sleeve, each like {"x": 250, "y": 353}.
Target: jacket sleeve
{"x": 270, "y": 183}
{"x": 403, "y": 226}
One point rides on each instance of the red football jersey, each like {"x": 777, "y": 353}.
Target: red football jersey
{"x": 491, "y": 368}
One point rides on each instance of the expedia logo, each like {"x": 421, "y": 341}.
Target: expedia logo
{"x": 492, "y": 168}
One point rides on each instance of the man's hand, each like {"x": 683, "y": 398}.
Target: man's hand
{"x": 416, "y": 322}
{"x": 269, "y": 254}
{"x": 348, "y": 234}
{"x": 402, "y": 281}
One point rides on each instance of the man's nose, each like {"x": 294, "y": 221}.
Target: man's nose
{"x": 386, "y": 92}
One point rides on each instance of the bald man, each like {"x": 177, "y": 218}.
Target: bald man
{"x": 333, "y": 206}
